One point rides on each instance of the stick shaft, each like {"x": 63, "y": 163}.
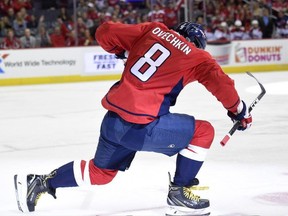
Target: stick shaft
{"x": 251, "y": 107}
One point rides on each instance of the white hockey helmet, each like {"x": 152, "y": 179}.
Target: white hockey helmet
{"x": 238, "y": 23}
{"x": 255, "y": 22}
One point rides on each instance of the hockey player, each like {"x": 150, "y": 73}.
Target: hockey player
{"x": 238, "y": 31}
{"x": 222, "y": 33}
{"x": 255, "y": 31}
{"x": 161, "y": 62}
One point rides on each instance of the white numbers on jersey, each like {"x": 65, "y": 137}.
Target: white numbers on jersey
{"x": 146, "y": 66}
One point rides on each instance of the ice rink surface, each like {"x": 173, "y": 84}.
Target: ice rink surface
{"x": 45, "y": 126}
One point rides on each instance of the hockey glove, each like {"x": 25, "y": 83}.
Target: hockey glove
{"x": 122, "y": 55}
{"x": 242, "y": 115}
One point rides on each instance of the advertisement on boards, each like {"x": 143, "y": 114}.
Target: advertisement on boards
{"x": 247, "y": 52}
{"x": 220, "y": 52}
{"x": 102, "y": 63}
{"x": 250, "y": 52}
{"x": 259, "y": 53}
{"x": 39, "y": 62}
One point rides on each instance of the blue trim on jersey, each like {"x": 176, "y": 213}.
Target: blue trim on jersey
{"x": 170, "y": 98}
{"x": 131, "y": 113}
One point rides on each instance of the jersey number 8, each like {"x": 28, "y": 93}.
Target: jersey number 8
{"x": 146, "y": 66}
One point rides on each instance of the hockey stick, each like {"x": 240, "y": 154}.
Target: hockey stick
{"x": 251, "y": 107}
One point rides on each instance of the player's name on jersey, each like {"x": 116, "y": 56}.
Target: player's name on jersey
{"x": 172, "y": 39}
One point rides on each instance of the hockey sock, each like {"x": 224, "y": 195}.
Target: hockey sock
{"x": 78, "y": 173}
{"x": 186, "y": 170}
{"x": 64, "y": 177}
{"x": 190, "y": 159}
{"x": 89, "y": 173}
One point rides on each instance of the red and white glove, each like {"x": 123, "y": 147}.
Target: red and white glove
{"x": 241, "y": 115}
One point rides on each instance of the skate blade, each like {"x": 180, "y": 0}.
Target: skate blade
{"x": 20, "y": 183}
{"x": 183, "y": 211}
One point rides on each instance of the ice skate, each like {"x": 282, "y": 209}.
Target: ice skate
{"x": 182, "y": 201}
{"x": 29, "y": 188}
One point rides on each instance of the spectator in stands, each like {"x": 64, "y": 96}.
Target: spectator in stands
{"x": 281, "y": 19}
{"x": 41, "y": 22}
{"x": 72, "y": 40}
{"x": 282, "y": 31}
{"x": 143, "y": 18}
{"x": 112, "y": 3}
{"x": 150, "y": 3}
{"x": 94, "y": 15}
{"x": 105, "y": 17}
{"x": 126, "y": 7}
{"x": 130, "y": 17}
{"x": 255, "y": 31}
{"x": 238, "y": 31}
{"x": 2, "y": 28}
{"x": 200, "y": 20}
{"x": 222, "y": 33}
{"x": 245, "y": 14}
{"x": 63, "y": 14}
{"x": 116, "y": 13}
{"x": 25, "y": 15}
{"x": 28, "y": 41}
{"x": 81, "y": 26}
{"x": 10, "y": 41}
{"x": 88, "y": 39}
{"x": 33, "y": 24}
{"x": 216, "y": 19}
{"x": 257, "y": 10}
{"x": 43, "y": 38}
{"x": 82, "y": 6}
{"x": 18, "y": 4}
{"x": 65, "y": 27}
{"x": 19, "y": 24}
{"x": 171, "y": 11}
{"x": 118, "y": 19}
{"x": 94, "y": 12}
{"x": 157, "y": 14}
{"x": 279, "y": 5}
{"x": 101, "y": 5}
{"x": 209, "y": 31}
{"x": 6, "y": 23}
{"x": 198, "y": 7}
{"x": 266, "y": 24}
{"x": 57, "y": 38}
{"x": 86, "y": 20}
{"x": 11, "y": 16}
{"x": 247, "y": 18}
{"x": 210, "y": 9}
{"x": 4, "y": 7}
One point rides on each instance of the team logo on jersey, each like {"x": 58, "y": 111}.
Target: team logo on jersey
{"x": 171, "y": 146}
{"x": 2, "y": 57}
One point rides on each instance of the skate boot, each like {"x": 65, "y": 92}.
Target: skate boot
{"x": 29, "y": 188}
{"x": 183, "y": 201}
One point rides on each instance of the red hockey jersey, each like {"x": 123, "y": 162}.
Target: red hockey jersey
{"x": 160, "y": 63}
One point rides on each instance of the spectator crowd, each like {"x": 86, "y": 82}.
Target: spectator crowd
{"x": 243, "y": 20}
{"x": 62, "y": 23}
